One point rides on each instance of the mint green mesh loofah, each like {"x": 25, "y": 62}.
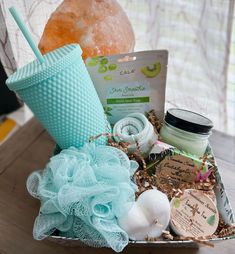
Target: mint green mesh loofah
{"x": 83, "y": 192}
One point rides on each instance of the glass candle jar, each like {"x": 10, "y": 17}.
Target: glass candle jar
{"x": 186, "y": 131}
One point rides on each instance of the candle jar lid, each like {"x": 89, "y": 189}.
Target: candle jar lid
{"x": 188, "y": 121}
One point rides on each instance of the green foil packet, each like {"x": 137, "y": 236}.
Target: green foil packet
{"x": 130, "y": 83}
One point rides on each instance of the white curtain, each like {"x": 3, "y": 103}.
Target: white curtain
{"x": 197, "y": 34}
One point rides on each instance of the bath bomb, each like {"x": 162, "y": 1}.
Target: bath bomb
{"x": 148, "y": 216}
{"x": 134, "y": 222}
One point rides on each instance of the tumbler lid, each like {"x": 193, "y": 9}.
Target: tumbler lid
{"x": 188, "y": 121}
{"x": 35, "y": 72}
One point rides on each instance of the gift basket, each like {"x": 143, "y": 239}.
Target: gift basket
{"x": 123, "y": 172}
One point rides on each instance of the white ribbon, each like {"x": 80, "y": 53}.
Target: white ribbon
{"x": 135, "y": 128}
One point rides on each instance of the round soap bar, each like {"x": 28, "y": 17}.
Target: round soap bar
{"x": 148, "y": 217}
{"x": 194, "y": 214}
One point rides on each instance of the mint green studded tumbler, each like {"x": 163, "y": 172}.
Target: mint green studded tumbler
{"x": 61, "y": 94}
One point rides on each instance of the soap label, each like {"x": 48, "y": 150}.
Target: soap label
{"x": 122, "y": 100}
{"x": 177, "y": 169}
{"x": 194, "y": 214}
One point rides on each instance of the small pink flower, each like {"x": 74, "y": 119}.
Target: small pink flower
{"x": 203, "y": 177}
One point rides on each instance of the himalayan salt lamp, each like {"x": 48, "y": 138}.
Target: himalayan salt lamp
{"x": 101, "y": 27}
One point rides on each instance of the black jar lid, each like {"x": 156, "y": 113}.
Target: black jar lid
{"x": 188, "y": 121}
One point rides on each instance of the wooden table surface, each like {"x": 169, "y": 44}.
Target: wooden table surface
{"x": 28, "y": 150}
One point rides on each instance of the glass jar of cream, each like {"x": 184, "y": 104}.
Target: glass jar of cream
{"x": 186, "y": 131}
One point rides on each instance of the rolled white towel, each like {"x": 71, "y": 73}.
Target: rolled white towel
{"x": 135, "y": 128}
